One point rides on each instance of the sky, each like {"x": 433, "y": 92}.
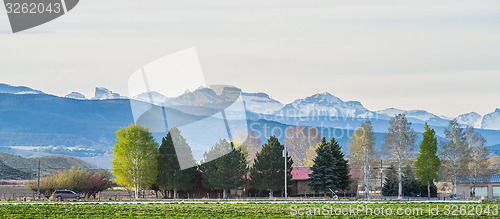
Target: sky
{"x": 440, "y": 56}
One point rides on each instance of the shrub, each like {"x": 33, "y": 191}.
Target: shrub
{"x": 77, "y": 179}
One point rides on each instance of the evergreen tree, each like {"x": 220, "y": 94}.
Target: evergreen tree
{"x": 268, "y": 171}
{"x": 424, "y": 191}
{"x": 390, "y": 187}
{"x": 170, "y": 175}
{"x": 325, "y": 171}
{"x": 411, "y": 187}
{"x": 342, "y": 165}
{"x": 427, "y": 163}
{"x": 225, "y": 172}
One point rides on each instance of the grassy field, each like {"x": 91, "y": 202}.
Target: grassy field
{"x": 266, "y": 210}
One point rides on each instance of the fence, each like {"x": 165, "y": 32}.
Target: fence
{"x": 17, "y": 196}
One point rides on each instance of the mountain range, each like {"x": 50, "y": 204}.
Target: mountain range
{"x": 321, "y": 104}
{"x": 34, "y": 123}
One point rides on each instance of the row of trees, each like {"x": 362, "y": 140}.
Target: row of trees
{"x": 411, "y": 186}
{"x": 465, "y": 154}
{"x": 77, "y": 179}
{"x": 138, "y": 164}
{"x": 462, "y": 152}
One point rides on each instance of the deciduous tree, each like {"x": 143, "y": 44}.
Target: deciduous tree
{"x": 453, "y": 149}
{"x": 362, "y": 152}
{"x": 298, "y": 140}
{"x": 76, "y": 179}
{"x": 399, "y": 144}
{"x": 476, "y": 162}
{"x": 134, "y": 161}
{"x": 251, "y": 142}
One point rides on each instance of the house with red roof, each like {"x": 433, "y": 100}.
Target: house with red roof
{"x": 300, "y": 183}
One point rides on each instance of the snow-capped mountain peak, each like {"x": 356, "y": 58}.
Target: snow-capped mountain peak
{"x": 324, "y": 104}
{"x": 102, "y": 93}
{"x": 471, "y": 118}
{"x": 420, "y": 114}
{"x": 75, "y": 95}
{"x": 153, "y": 96}
{"x": 5, "y": 88}
{"x": 391, "y": 111}
{"x": 491, "y": 120}
{"x": 260, "y": 103}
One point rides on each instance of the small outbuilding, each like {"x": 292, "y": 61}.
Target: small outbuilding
{"x": 488, "y": 186}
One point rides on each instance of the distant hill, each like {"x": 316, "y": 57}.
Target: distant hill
{"x": 16, "y": 167}
{"x": 7, "y": 172}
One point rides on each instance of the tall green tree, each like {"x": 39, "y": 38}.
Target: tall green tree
{"x": 362, "y": 152}
{"x": 225, "y": 172}
{"x": 134, "y": 161}
{"x": 325, "y": 171}
{"x": 342, "y": 164}
{"x": 399, "y": 143}
{"x": 268, "y": 171}
{"x": 170, "y": 175}
{"x": 427, "y": 162}
{"x": 453, "y": 150}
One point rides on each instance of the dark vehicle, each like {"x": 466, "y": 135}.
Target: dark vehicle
{"x": 66, "y": 194}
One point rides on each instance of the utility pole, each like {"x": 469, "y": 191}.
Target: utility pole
{"x": 286, "y": 185}
{"x": 381, "y": 184}
{"x": 38, "y": 186}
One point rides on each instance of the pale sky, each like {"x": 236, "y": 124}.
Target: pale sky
{"x": 440, "y": 56}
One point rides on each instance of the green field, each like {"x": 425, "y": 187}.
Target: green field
{"x": 225, "y": 210}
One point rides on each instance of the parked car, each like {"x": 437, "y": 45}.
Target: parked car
{"x": 66, "y": 194}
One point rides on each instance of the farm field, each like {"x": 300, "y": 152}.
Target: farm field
{"x": 251, "y": 210}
